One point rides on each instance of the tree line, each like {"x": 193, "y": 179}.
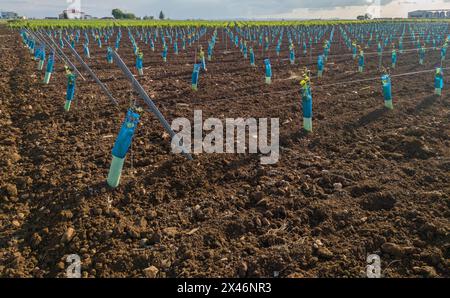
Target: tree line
{"x": 121, "y": 15}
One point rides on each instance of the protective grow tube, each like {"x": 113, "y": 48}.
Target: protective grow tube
{"x": 320, "y": 66}
{"x": 117, "y": 44}
{"x": 49, "y": 69}
{"x": 152, "y": 45}
{"x": 99, "y": 41}
{"x": 31, "y": 46}
{"x": 86, "y": 51}
{"x": 444, "y": 52}
{"x": 210, "y": 51}
{"x": 24, "y": 37}
{"x": 268, "y": 71}
{"x": 195, "y": 75}
{"x": 121, "y": 147}
{"x": 387, "y": 91}
{"x": 438, "y": 82}
{"x": 109, "y": 57}
{"x": 252, "y": 57}
{"x": 164, "y": 54}
{"x": 306, "y": 105}
{"x": 394, "y": 58}
{"x": 71, "y": 83}
{"x": 380, "y": 55}
{"x": 326, "y": 50}
{"x": 139, "y": 63}
{"x": 202, "y": 59}
{"x": 41, "y": 58}
{"x": 36, "y": 54}
{"x": 361, "y": 61}
{"x": 354, "y": 50}
{"x": 421, "y": 55}
{"x": 291, "y": 54}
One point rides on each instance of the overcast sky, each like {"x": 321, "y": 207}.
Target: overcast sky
{"x": 226, "y": 9}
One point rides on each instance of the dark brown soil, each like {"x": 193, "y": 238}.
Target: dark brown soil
{"x": 367, "y": 181}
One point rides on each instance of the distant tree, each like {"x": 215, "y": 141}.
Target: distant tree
{"x": 129, "y": 16}
{"x": 161, "y": 15}
{"x": 119, "y": 14}
{"x": 149, "y": 17}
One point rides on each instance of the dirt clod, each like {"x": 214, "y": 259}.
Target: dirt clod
{"x": 425, "y": 271}
{"x": 151, "y": 272}
{"x": 11, "y": 190}
{"x": 68, "y": 235}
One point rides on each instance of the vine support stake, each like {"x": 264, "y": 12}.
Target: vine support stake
{"x": 60, "y": 53}
{"x": 126, "y": 71}
{"x": 91, "y": 73}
